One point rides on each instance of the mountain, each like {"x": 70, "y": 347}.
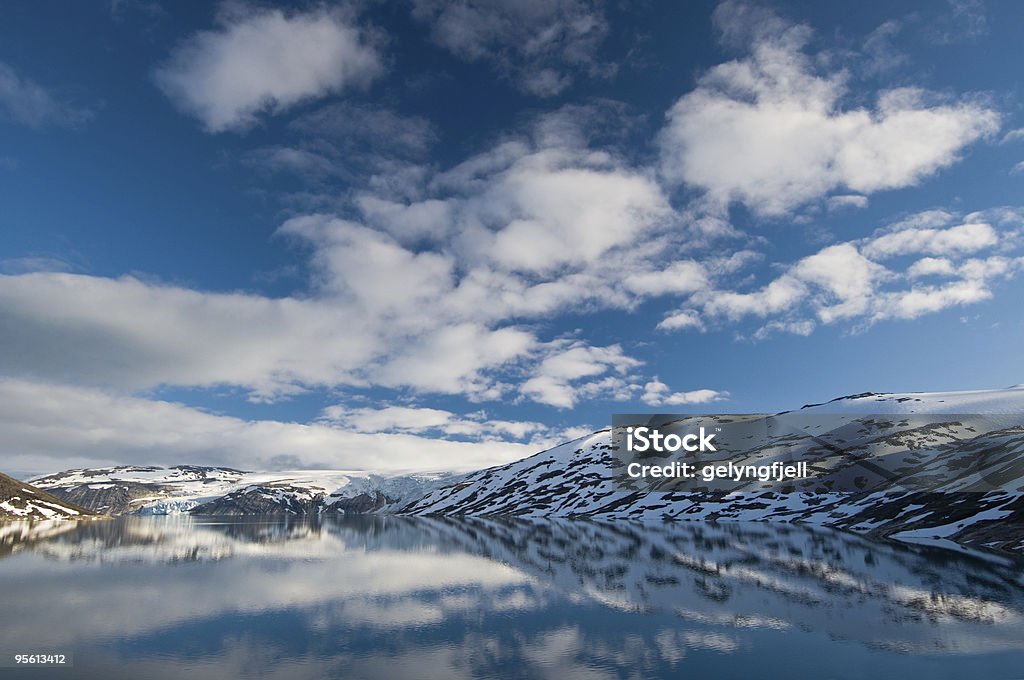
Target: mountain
{"x": 151, "y": 490}
{"x": 945, "y": 469}
{"x": 939, "y": 468}
{"x": 19, "y": 500}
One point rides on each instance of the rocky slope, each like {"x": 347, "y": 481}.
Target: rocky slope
{"x": 21, "y": 501}
{"x": 954, "y": 476}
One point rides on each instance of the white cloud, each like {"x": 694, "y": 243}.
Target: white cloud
{"x": 129, "y": 334}
{"x": 844, "y": 278}
{"x": 539, "y": 44}
{"x": 846, "y": 201}
{"x": 371, "y": 268}
{"x": 837, "y": 281}
{"x": 560, "y": 377}
{"x": 929, "y": 299}
{"x": 931, "y": 266}
{"x": 538, "y": 225}
{"x": 455, "y": 359}
{"x": 778, "y": 296}
{"x": 1017, "y": 169}
{"x": 925, "y": 219}
{"x": 409, "y": 223}
{"x": 684, "y": 276}
{"x": 430, "y": 296}
{"x": 46, "y": 427}
{"x": 569, "y": 215}
{"x": 475, "y": 426}
{"x": 768, "y": 131}
{"x": 420, "y": 295}
{"x": 265, "y": 62}
{"x": 965, "y": 238}
{"x": 1015, "y": 135}
{"x": 406, "y": 418}
{"x": 28, "y": 103}
{"x": 657, "y": 393}
{"x": 802, "y": 327}
{"x": 378, "y": 313}
{"x": 535, "y": 208}
{"x": 845, "y": 281}
{"x": 545, "y": 82}
{"x": 682, "y": 320}
{"x": 880, "y": 51}
{"x": 446, "y": 290}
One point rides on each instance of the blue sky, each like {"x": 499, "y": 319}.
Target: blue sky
{"x": 421, "y": 235}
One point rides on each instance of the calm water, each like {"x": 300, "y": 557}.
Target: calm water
{"x": 195, "y": 598}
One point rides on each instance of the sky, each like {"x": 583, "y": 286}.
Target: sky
{"x": 430, "y": 235}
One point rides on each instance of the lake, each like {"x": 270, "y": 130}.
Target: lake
{"x": 395, "y": 597}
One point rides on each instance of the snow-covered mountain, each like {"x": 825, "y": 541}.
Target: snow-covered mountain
{"x": 150, "y": 490}
{"x": 940, "y": 468}
{"x": 944, "y": 477}
{"x": 22, "y": 501}
{"x": 1008, "y": 402}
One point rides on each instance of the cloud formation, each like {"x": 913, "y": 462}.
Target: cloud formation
{"x": 98, "y": 428}
{"x": 265, "y": 61}
{"x": 657, "y": 393}
{"x": 920, "y": 265}
{"x": 476, "y": 426}
{"x": 769, "y": 130}
{"x": 450, "y": 286}
{"x": 447, "y": 293}
{"x": 557, "y": 377}
{"x": 465, "y": 278}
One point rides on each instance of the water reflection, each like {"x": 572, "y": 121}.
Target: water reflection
{"x": 412, "y": 597}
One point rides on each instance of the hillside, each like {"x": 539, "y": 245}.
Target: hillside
{"x": 21, "y": 501}
{"x": 953, "y": 477}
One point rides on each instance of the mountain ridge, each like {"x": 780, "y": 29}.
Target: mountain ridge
{"x": 957, "y": 459}
{"x": 156, "y": 490}
{"x": 959, "y": 478}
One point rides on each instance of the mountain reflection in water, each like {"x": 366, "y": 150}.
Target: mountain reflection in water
{"x": 394, "y": 597}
